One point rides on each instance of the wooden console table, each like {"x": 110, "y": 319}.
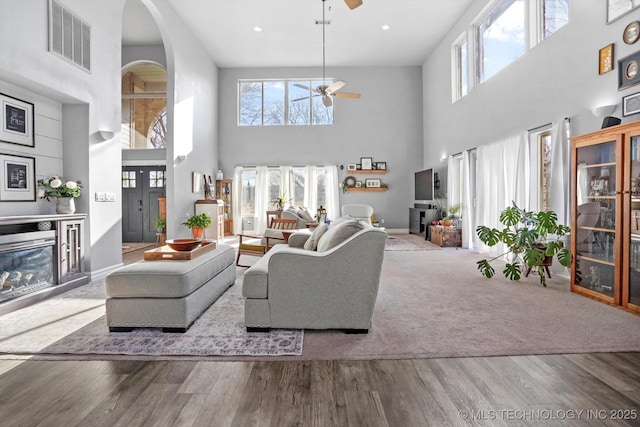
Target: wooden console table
{"x": 446, "y": 237}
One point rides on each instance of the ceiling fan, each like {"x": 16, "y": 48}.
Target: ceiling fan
{"x": 324, "y": 90}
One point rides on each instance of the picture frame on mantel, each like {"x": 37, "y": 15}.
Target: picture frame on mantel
{"x": 616, "y": 9}
{"x": 17, "y": 182}
{"x": 17, "y": 121}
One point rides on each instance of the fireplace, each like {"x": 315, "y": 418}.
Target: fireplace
{"x": 27, "y": 263}
{"x": 40, "y": 256}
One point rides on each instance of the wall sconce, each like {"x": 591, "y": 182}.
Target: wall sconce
{"x": 604, "y": 110}
{"x": 105, "y": 135}
{"x": 443, "y": 158}
{"x": 436, "y": 181}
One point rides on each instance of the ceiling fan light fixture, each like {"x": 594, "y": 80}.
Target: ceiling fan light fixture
{"x": 257, "y": 29}
{"x": 352, "y": 4}
{"x": 386, "y": 27}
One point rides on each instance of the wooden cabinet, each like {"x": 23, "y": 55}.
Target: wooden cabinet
{"x": 224, "y": 191}
{"x": 420, "y": 220}
{"x": 605, "y": 240}
{"x": 215, "y": 209}
{"x": 70, "y": 250}
{"x": 446, "y": 237}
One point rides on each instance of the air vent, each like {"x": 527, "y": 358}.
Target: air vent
{"x": 69, "y": 36}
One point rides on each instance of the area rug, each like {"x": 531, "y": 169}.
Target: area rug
{"x": 409, "y": 242}
{"x": 74, "y": 323}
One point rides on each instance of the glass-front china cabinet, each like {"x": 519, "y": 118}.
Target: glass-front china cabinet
{"x": 606, "y": 215}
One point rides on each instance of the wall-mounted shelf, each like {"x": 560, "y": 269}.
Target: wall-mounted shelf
{"x": 366, "y": 189}
{"x": 367, "y": 171}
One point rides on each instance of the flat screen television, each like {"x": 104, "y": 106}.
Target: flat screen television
{"x": 424, "y": 185}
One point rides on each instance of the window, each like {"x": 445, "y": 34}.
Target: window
{"x": 281, "y": 102}
{"x": 128, "y": 179}
{"x": 461, "y": 67}
{"x": 556, "y": 15}
{"x": 156, "y": 179}
{"x": 144, "y": 107}
{"x": 500, "y": 37}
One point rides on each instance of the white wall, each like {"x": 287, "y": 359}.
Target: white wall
{"x": 556, "y": 79}
{"x": 90, "y": 101}
{"x": 386, "y": 124}
{"x": 192, "y": 113}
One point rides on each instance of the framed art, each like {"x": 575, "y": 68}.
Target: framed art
{"x": 605, "y": 59}
{"x": 381, "y": 166}
{"x": 372, "y": 183}
{"x": 358, "y": 184}
{"x": 351, "y": 167}
{"x": 618, "y": 8}
{"x": 631, "y": 33}
{"x": 631, "y": 104}
{"x": 17, "y": 183}
{"x": 366, "y": 163}
{"x": 358, "y": 166}
{"x": 17, "y": 121}
{"x": 629, "y": 71}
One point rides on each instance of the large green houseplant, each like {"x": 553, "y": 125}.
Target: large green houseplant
{"x": 530, "y": 238}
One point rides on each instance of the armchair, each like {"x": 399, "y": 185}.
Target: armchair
{"x": 271, "y": 236}
{"x": 360, "y": 212}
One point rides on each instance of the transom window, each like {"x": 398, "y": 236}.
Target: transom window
{"x": 282, "y": 102}
{"x": 500, "y": 35}
{"x": 144, "y": 107}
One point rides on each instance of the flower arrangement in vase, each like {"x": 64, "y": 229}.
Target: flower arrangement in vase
{"x": 63, "y": 191}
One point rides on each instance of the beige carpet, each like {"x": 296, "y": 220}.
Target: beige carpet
{"x": 436, "y": 304}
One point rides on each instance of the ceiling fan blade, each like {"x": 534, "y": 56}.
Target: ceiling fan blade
{"x": 303, "y": 86}
{"x": 326, "y": 100}
{"x": 352, "y": 4}
{"x": 335, "y": 87}
{"x": 306, "y": 97}
{"x": 346, "y": 95}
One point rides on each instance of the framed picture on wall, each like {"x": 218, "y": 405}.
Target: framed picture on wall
{"x": 372, "y": 183}
{"x": 17, "y": 182}
{"x": 629, "y": 71}
{"x": 605, "y": 59}
{"x": 366, "y": 163}
{"x": 17, "y": 121}
{"x": 618, "y": 8}
{"x": 351, "y": 167}
{"x": 631, "y": 104}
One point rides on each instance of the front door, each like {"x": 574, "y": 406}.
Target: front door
{"x": 141, "y": 187}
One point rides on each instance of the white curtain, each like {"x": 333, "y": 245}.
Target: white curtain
{"x": 559, "y": 171}
{"x": 262, "y": 200}
{"x": 503, "y": 177}
{"x": 452, "y": 181}
{"x": 468, "y": 200}
{"x": 237, "y": 194}
{"x": 332, "y": 186}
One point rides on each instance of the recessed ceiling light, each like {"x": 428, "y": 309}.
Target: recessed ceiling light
{"x": 385, "y": 27}
{"x": 257, "y": 29}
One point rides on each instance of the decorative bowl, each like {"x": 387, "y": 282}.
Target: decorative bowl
{"x": 183, "y": 244}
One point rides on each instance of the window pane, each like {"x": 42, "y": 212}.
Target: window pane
{"x": 462, "y": 58}
{"x": 322, "y": 115}
{"x": 299, "y": 178}
{"x": 250, "y": 103}
{"x": 248, "y": 193}
{"x": 299, "y": 104}
{"x": 545, "y": 185}
{"x": 556, "y": 15}
{"x": 321, "y": 187}
{"x": 273, "y": 103}
{"x": 274, "y": 178}
{"x": 501, "y": 37}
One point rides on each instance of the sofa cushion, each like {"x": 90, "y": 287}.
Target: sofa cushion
{"x": 304, "y": 214}
{"x": 312, "y": 242}
{"x": 338, "y": 233}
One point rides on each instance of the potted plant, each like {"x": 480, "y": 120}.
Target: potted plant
{"x": 278, "y": 202}
{"x": 197, "y": 223}
{"x": 160, "y": 224}
{"x": 531, "y": 239}
{"x": 56, "y": 187}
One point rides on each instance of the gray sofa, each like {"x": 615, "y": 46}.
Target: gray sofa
{"x": 336, "y": 288}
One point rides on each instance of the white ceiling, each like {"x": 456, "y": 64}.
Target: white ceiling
{"x": 291, "y": 38}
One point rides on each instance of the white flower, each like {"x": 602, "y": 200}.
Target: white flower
{"x": 55, "y": 183}
{"x": 72, "y": 185}
{"x": 40, "y": 193}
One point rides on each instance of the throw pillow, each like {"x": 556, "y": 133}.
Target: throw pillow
{"x": 312, "y": 242}
{"x": 304, "y": 214}
{"x": 338, "y": 233}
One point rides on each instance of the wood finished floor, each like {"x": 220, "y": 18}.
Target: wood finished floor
{"x": 562, "y": 390}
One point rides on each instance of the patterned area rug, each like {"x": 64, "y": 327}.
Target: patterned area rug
{"x": 409, "y": 242}
{"x": 74, "y": 323}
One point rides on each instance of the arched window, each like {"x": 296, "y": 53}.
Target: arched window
{"x": 144, "y": 107}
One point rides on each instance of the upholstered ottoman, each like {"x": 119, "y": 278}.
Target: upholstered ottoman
{"x": 167, "y": 294}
